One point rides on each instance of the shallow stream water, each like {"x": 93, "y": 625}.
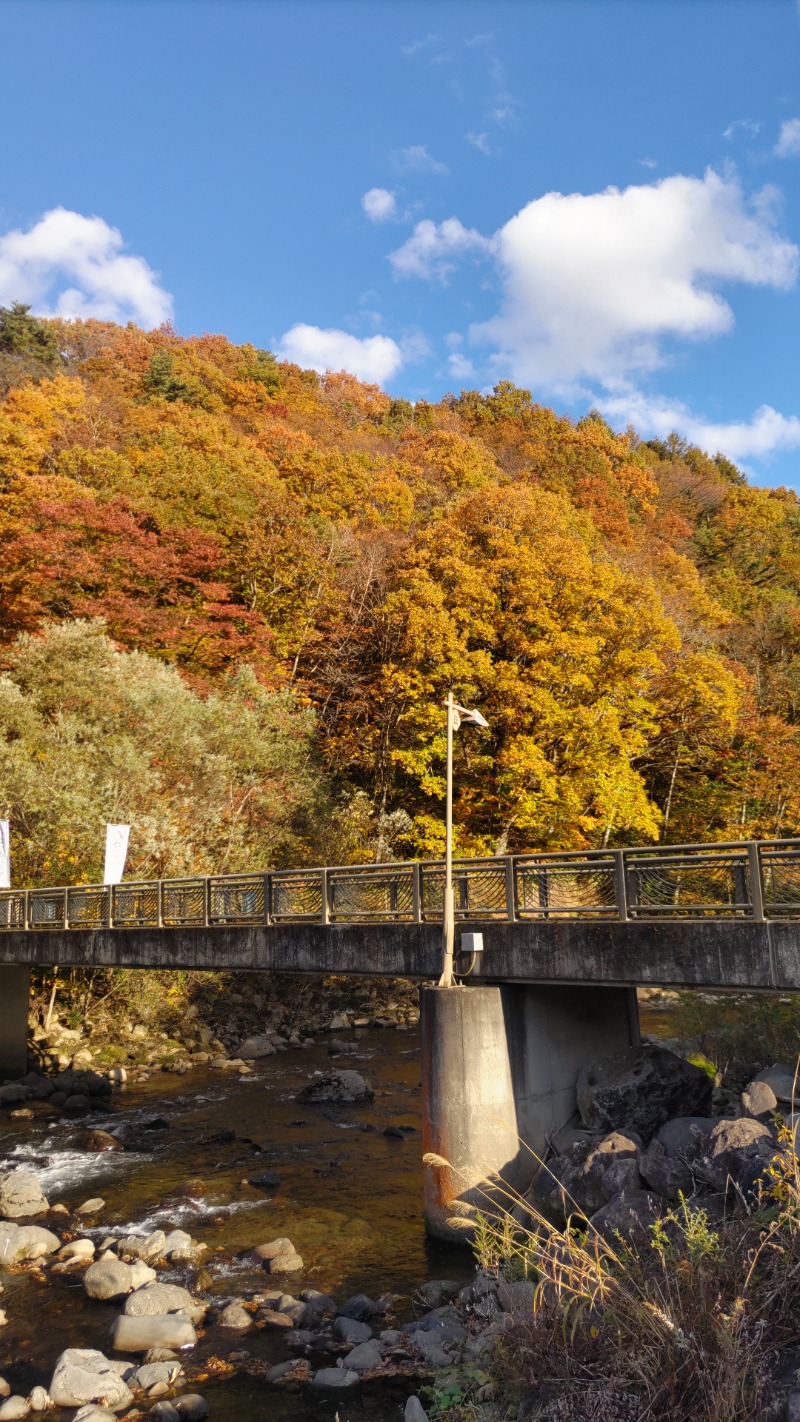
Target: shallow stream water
{"x": 350, "y": 1199}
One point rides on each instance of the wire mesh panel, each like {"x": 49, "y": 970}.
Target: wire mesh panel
{"x": 12, "y": 909}
{"x": 383, "y": 892}
{"x": 780, "y": 868}
{"x": 237, "y": 899}
{"x": 568, "y": 887}
{"x": 297, "y": 895}
{"x": 183, "y": 901}
{"x": 135, "y": 905}
{"x": 87, "y": 906}
{"x": 47, "y": 908}
{"x": 479, "y": 889}
{"x": 670, "y": 884}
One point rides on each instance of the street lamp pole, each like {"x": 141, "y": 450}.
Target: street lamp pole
{"x": 456, "y": 716}
{"x": 449, "y": 913}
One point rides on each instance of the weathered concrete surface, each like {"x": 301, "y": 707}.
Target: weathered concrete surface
{"x": 499, "y": 1072}
{"x": 15, "y": 987}
{"x": 707, "y": 953}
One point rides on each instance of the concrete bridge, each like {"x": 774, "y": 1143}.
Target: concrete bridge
{"x": 566, "y": 940}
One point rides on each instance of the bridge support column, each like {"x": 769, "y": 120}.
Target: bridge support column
{"x": 15, "y": 987}
{"x": 499, "y": 1071}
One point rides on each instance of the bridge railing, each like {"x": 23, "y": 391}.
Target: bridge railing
{"x": 744, "y": 880}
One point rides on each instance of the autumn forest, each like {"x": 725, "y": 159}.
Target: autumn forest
{"x": 234, "y": 594}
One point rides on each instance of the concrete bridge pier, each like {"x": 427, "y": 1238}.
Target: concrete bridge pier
{"x": 15, "y": 988}
{"x": 499, "y": 1070}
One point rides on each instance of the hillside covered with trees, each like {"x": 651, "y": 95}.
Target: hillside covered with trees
{"x": 233, "y": 595}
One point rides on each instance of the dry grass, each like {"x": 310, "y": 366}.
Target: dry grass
{"x": 692, "y": 1324}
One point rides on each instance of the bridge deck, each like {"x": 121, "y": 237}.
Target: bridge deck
{"x": 705, "y": 953}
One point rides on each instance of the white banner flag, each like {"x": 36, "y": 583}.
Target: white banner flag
{"x": 5, "y": 856}
{"x": 116, "y": 852}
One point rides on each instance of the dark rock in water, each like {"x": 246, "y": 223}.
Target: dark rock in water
{"x": 221, "y": 1138}
{"x": 738, "y": 1155}
{"x": 360, "y": 1307}
{"x": 394, "y": 1132}
{"x": 97, "y": 1140}
{"x": 268, "y": 1180}
{"x": 640, "y": 1089}
{"x": 158, "y": 1123}
{"x": 337, "y": 1048}
{"x": 337, "y": 1086}
{"x": 191, "y": 1189}
{"x": 631, "y": 1214}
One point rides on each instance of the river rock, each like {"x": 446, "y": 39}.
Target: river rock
{"x": 150, "y": 1374}
{"x": 140, "y": 1334}
{"x": 97, "y": 1140}
{"x": 178, "y": 1242}
{"x": 235, "y": 1316}
{"x": 316, "y": 1307}
{"x": 108, "y": 1278}
{"x": 148, "y": 1248}
{"x": 191, "y": 1407}
{"x": 13, "y": 1407}
{"x": 279, "y": 1256}
{"x": 164, "y": 1412}
{"x": 35, "y": 1242}
{"x": 337, "y": 1086}
{"x": 77, "y": 1249}
{"x": 667, "y": 1175}
{"x": 436, "y": 1292}
{"x": 640, "y": 1089}
{"x": 21, "y": 1195}
{"x": 84, "y": 1375}
{"x": 39, "y": 1399}
{"x": 334, "y": 1379}
{"x": 414, "y": 1411}
{"x": 10, "y": 1243}
{"x": 91, "y": 1207}
{"x": 738, "y": 1155}
{"x": 253, "y": 1048}
{"x": 12, "y": 1094}
{"x": 364, "y": 1357}
{"x": 349, "y": 1330}
{"x": 76, "y": 1104}
{"x": 759, "y": 1101}
{"x": 154, "y": 1300}
{"x": 630, "y": 1214}
{"x": 90, "y": 1413}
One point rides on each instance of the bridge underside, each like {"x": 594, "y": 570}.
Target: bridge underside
{"x": 703, "y": 953}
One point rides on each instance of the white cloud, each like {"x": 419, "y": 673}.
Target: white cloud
{"x": 379, "y": 204}
{"x": 596, "y": 284}
{"x": 75, "y": 266}
{"x": 433, "y": 248}
{"x": 409, "y": 50}
{"x": 788, "y": 145}
{"x": 416, "y": 159}
{"x": 744, "y": 125}
{"x": 481, "y": 142}
{"x": 372, "y": 358}
{"x": 765, "y": 433}
{"x": 460, "y": 367}
{"x": 648, "y": 162}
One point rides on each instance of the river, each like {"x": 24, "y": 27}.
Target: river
{"x": 350, "y": 1199}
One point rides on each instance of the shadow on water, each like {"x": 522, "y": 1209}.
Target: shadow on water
{"x": 350, "y": 1199}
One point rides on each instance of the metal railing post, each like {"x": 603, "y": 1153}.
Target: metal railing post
{"x": 206, "y": 901}
{"x": 416, "y": 891}
{"x": 160, "y": 901}
{"x": 325, "y": 914}
{"x": 511, "y": 886}
{"x": 26, "y": 911}
{"x": 620, "y": 890}
{"x": 267, "y": 899}
{"x": 110, "y": 907}
{"x": 756, "y": 883}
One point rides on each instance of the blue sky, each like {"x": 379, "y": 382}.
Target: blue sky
{"x": 598, "y": 199}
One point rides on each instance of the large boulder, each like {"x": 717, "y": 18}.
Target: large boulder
{"x": 586, "y": 1176}
{"x": 738, "y": 1156}
{"x": 640, "y": 1089}
{"x": 253, "y": 1048}
{"x": 666, "y": 1174}
{"x": 139, "y": 1335}
{"x": 84, "y": 1375}
{"x": 783, "y": 1080}
{"x": 36, "y": 1242}
{"x": 156, "y": 1299}
{"x": 337, "y": 1086}
{"x": 686, "y": 1137}
{"x": 148, "y": 1248}
{"x": 21, "y": 1195}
